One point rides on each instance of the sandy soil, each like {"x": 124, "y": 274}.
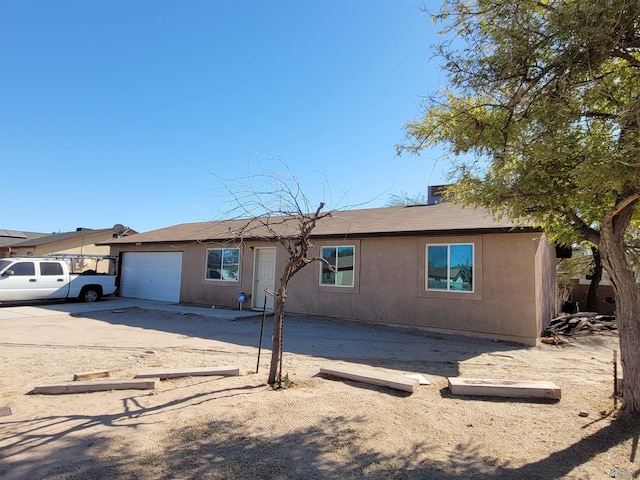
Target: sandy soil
{"x": 320, "y": 428}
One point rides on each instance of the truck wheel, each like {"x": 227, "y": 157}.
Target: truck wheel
{"x": 90, "y": 294}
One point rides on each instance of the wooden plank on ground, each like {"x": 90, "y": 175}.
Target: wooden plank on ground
{"x": 163, "y": 373}
{"x": 6, "y": 411}
{"x": 91, "y": 375}
{"x": 374, "y": 377}
{"x": 96, "y": 386}
{"x": 421, "y": 380}
{"x": 504, "y": 388}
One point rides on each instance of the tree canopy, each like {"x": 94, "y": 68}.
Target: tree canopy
{"x": 541, "y": 111}
{"x": 403, "y": 199}
{"x": 549, "y": 93}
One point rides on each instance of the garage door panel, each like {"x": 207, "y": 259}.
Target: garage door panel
{"x": 151, "y": 275}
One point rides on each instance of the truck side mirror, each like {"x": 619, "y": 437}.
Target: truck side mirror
{"x": 7, "y": 273}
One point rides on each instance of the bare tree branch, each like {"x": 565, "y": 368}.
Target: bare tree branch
{"x": 272, "y": 206}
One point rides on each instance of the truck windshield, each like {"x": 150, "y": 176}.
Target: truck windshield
{"x": 4, "y": 264}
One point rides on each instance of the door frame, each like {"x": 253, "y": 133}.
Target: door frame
{"x": 258, "y": 296}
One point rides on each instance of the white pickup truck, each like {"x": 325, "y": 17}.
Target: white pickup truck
{"x": 24, "y": 279}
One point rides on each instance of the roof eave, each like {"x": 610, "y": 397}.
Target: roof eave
{"x": 412, "y": 233}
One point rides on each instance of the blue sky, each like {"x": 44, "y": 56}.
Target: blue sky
{"x": 115, "y": 111}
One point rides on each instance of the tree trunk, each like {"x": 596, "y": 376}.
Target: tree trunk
{"x": 278, "y": 327}
{"x": 596, "y": 276}
{"x": 627, "y": 297}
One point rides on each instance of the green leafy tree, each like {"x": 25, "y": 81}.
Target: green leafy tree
{"x": 541, "y": 113}
{"x": 403, "y": 199}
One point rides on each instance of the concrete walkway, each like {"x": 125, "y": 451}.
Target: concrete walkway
{"x": 40, "y": 309}
{"x": 223, "y": 313}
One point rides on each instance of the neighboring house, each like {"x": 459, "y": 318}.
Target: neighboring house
{"x": 11, "y": 237}
{"x": 438, "y": 267}
{"x": 578, "y": 291}
{"x": 81, "y": 243}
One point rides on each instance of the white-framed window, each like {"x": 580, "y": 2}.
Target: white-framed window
{"x": 342, "y": 258}
{"x": 223, "y": 264}
{"x": 450, "y": 267}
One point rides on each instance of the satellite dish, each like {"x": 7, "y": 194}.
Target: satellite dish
{"x": 119, "y": 229}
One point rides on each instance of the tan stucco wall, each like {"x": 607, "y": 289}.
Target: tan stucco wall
{"x": 197, "y": 290}
{"x": 194, "y": 288}
{"x": 513, "y": 273}
{"x": 547, "y": 284}
{"x": 391, "y": 288}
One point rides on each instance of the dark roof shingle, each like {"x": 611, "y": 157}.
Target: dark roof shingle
{"x": 11, "y": 237}
{"x": 443, "y": 217}
{"x": 60, "y": 237}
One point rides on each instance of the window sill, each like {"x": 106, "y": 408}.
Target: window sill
{"x": 450, "y": 295}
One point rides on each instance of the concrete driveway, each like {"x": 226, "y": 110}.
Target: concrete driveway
{"x": 40, "y": 309}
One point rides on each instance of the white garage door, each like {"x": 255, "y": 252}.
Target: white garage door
{"x": 151, "y": 275}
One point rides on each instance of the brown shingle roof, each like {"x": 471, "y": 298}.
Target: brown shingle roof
{"x": 60, "y": 237}
{"x": 443, "y": 217}
{"x": 11, "y": 237}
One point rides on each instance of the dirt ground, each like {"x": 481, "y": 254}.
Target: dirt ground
{"x": 319, "y": 428}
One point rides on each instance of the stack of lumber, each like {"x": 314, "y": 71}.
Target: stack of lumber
{"x": 371, "y": 376}
{"x": 488, "y": 387}
{"x": 579, "y": 324}
{"x": 163, "y": 373}
{"x": 96, "y": 386}
{"x": 86, "y": 381}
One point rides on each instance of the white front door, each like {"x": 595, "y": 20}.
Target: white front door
{"x": 264, "y": 277}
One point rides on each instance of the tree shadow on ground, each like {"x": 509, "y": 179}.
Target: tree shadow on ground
{"x": 321, "y": 337}
{"x": 22, "y": 438}
{"x": 333, "y": 448}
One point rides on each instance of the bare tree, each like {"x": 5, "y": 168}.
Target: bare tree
{"x": 273, "y": 207}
